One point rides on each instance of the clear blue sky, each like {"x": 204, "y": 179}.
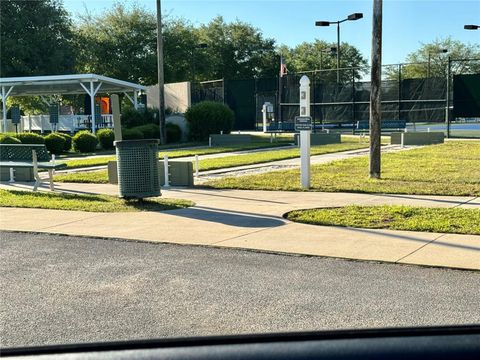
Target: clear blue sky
{"x": 406, "y": 23}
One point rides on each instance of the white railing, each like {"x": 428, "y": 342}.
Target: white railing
{"x": 69, "y": 123}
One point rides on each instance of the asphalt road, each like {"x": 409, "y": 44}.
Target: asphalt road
{"x": 59, "y": 289}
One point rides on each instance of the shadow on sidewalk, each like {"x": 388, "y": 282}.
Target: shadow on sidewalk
{"x": 435, "y": 241}
{"x": 229, "y": 217}
{"x": 432, "y": 198}
{"x": 212, "y": 193}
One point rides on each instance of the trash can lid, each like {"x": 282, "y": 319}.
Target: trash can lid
{"x": 138, "y": 142}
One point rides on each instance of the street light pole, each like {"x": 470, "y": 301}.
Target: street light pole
{"x": 351, "y": 17}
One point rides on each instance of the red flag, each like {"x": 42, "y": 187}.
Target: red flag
{"x": 283, "y": 67}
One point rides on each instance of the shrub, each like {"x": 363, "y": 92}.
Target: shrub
{"x": 106, "y": 138}
{"x": 207, "y": 118}
{"x": 68, "y": 141}
{"x": 131, "y": 134}
{"x": 174, "y": 133}
{"x": 7, "y": 139}
{"x": 30, "y": 138}
{"x": 149, "y": 131}
{"x": 55, "y": 143}
{"x": 84, "y": 141}
{"x": 133, "y": 118}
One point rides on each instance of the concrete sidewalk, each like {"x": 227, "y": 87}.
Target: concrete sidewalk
{"x": 253, "y": 220}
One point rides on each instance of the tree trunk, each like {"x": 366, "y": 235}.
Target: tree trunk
{"x": 376, "y": 81}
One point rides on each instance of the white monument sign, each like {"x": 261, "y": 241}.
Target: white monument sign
{"x": 305, "y": 131}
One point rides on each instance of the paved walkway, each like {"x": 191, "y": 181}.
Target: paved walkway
{"x": 253, "y": 220}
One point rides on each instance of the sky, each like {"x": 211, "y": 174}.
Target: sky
{"x": 406, "y": 23}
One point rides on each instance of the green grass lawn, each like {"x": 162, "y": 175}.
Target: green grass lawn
{"x": 179, "y": 153}
{"x": 443, "y": 220}
{"x": 452, "y": 168}
{"x": 227, "y": 161}
{"x": 280, "y": 154}
{"x": 92, "y": 203}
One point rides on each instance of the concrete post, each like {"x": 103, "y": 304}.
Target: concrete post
{"x": 305, "y": 134}
{"x": 165, "y": 168}
{"x": 117, "y": 126}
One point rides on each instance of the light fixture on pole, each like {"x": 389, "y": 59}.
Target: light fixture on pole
{"x": 351, "y": 17}
{"x": 430, "y": 52}
{"x": 471, "y": 27}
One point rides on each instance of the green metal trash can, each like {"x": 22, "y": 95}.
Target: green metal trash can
{"x": 137, "y": 167}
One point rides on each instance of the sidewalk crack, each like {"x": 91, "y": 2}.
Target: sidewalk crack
{"x": 69, "y": 222}
{"x": 421, "y": 247}
{"x": 239, "y": 236}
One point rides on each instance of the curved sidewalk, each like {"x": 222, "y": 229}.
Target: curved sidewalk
{"x": 253, "y": 220}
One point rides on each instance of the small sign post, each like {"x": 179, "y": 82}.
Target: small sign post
{"x": 303, "y": 123}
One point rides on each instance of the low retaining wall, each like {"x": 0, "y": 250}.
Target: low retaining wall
{"x": 229, "y": 139}
{"x": 418, "y": 138}
{"x": 180, "y": 173}
{"x": 321, "y": 139}
{"x": 20, "y": 174}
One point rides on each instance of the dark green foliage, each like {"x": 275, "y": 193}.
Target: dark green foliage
{"x": 7, "y": 139}
{"x": 149, "y": 131}
{"x": 131, "y": 134}
{"x": 36, "y": 38}
{"x": 85, "y": 142}
{"x": 207, "y": 118}
{"x": 132, "y": 118}
{"x": 30, "y": 138}
{"x": 106, "y": 137}
{"x": 68, "y": 141}
{"x": 55, "y": 143}
{"x": 174, "y": 133}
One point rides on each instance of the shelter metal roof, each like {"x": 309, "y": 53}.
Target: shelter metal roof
{"x": 65, "y": 84}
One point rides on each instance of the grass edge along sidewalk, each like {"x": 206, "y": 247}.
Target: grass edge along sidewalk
{"x": 393, "y": 217}
{"x": 451, "y": 168}
{"x": 83, "y": 202}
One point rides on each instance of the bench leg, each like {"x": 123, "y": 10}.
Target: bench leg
{"x": 50, "y": 178}
{"x": 38, "y": 180}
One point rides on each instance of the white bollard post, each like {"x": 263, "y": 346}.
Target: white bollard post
{"x": 196, "y": 166}
{"x": 209, "y": 141}
{"x": 165, "y": 168}
{"x": 402, "y": 140}
{"x": 53, "y": 162}
{"x": 12, "y": 176}
{"x": 305, "y": 134}
{"x": 428, "y": 129}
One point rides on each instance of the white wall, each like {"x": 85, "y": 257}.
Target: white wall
{"x": 177, "y": 96}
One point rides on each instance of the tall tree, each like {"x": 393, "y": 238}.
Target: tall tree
{"x": 321, "y": 55}
{"x": 119, "y": 43}
{"x": 417, "y": 62}
{"x": 236, "y": 50}
{"x": 36, "y": 38}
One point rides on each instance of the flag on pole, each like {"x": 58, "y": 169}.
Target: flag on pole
{"x": 283, "y": 67}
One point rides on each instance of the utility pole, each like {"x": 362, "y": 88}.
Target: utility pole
{"x": 376, "y": 81}
{"x": 161, "y": 79}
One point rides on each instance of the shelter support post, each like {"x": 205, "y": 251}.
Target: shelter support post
{"x": 4, "y": 106}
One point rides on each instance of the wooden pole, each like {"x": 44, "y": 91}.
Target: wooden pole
{"x": 161, "y": 79}
{"x": 376, "y": 80}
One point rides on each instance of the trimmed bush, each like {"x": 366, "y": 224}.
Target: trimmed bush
{"x": 174, "y": 133}
{"x": 55, "y": 143}
{"x": 131, "y": 134}
{"x": 132, "y": 118}
{"x": 68, "y": 141}
{"x": 30, "y": 138}
{"x": 106, "y": 138}
{"x": 7, "y": 139}
{"x": 84, "y": 142}
{"x": 207, "y": 118}
{"x": 149, "y": 131}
